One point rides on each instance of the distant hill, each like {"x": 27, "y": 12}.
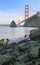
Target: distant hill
{"x": 33, "y": 21}
{"x": 5, "y": 25}
{"x": 13, "y": 24}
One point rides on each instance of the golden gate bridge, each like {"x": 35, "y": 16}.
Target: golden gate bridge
{"x": 27, "y": 14}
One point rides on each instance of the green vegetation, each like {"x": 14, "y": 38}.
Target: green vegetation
{"x": 33, "y": 21}
{"x": 13, "y": 24}
{"x": 3, "y": 41}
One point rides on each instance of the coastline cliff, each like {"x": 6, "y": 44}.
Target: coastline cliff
{"x": 33, "y": 21}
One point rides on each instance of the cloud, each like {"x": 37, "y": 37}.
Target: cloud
{"x": 7, "y": 16}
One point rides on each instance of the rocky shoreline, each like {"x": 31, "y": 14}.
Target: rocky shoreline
{"x": 21, "y": 51}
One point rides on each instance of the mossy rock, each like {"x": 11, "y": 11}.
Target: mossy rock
{"x": 34, "y": 52}
{"x": 4, "y": 41}
{"x": 23, "y": 57}
{"x": 34, "y": 43}
{"x": 29, "y": 63}
{"x": 35, "y": 34}
{"x": 4, "y": 58}
{"x": 37, "y": 63}
{"x": 24, "y": 46}
{"x": 19, "y": 63}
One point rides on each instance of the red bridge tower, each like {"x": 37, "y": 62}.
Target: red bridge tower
{"x": 26, "y": 11}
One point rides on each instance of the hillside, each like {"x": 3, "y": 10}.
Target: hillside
{"x": 33, "y": 21}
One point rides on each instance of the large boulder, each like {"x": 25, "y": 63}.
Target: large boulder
{"x": 13, "y": 24}
{"x": 35, "y": 34}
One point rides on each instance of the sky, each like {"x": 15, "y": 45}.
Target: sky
{"x": 14, "y": 10}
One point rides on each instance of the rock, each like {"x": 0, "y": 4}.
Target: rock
{"x": 19, "y": 63}
{"x": 21, "y": 51}
{"x": 24, "y": 46}
{"x": 19, "y": 40}
{"x": 13, "y": 24}
{"x": 4, "y": 41}
{"x": 34, "y": 53}
{"x": 4, "y": 58}
{"x": 35, "y": 34}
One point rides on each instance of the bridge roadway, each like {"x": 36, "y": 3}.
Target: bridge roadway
{"x": 35, "y": 15}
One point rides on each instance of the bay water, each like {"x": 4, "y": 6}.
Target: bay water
{"x": 14, "y": 32}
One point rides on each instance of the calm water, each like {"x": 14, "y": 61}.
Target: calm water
{"x": 8, "y": 32}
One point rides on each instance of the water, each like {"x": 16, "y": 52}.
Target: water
{"x": 8, "y": 32}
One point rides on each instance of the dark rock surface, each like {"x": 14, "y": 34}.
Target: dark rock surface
{"x": 35, "y": 34}
{"x": 13, "y": 24}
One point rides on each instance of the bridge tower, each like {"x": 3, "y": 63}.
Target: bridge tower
{"x": 26, "y": 11}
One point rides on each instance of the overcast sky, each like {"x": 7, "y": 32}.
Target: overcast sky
{"x": 14, "y": 9}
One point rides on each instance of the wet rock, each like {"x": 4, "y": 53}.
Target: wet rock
{"x": 21, "y": 51}
{"x": 19, "y": 63}
{"x": 4, "y": 58}
{"x": 35, "y": 34}
{"x": 24, "y": 46}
